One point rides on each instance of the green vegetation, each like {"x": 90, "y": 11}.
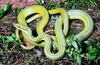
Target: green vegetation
{"x": 75, "y": 50}
{"x": 18, "y": 10}
{"x": 4, "y": 10}
{"x": 71, "y": 4}
{"x": 6, "y": 39}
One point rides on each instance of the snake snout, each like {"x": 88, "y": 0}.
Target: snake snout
{"x": 20, "y": 27}
{"x": 17, "y": 25}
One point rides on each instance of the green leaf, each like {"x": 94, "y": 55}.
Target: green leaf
{"x": 19, "y": 9}
{"x": 74, "y": 56}
{"x": 68, "y": 50}
{"x": 91, "y": 56}
{"x": 0, "y": 36}
{"x": 73, "y": 36}
{"x": 98, "y": 44}
{"x": 1, "y": 11}
{"x": 79, "y": 44}
{"x": 78, "y": 50}
{"x": 17, "y": 38}
{"x": 82, "y": 55}
{"x": 20, "y": 43}
{"x": 13, "y": 35}
{"x": 70, "y": 55}
{"x": 9, "y": 39}
{"x": 7, "y": 6}
{"x": 97, "y": 59}
{"x": 69, "y": 41}
{"x": 90, "y": 48}
{"x": 75, "y": 44}
{"x": 39, "y": 2}
{"x": 87, "y": 42}
{"x": 1, "y": 15}
{"x": 72, "y": 49}
{"x": 54, "y": 45}
{"x": 95, "y": 51}
{"x": 79, "y": 59}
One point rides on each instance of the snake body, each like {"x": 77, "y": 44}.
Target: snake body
{"x": 61, "y": 28}
{"x": 44, "y": 37}
{"x": 29, "y": 11}
{"x": 65, "y": 19}
{"x": 86, "y": 19}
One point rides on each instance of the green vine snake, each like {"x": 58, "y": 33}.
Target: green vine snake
{"x": 61, "y": 28}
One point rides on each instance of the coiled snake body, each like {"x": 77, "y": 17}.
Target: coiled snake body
{"x": 61, "y": 28}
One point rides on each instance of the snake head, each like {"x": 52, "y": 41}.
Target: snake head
{"x": 21, "y": 27}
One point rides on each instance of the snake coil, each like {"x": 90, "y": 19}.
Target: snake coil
{"x": 61, "y": 28}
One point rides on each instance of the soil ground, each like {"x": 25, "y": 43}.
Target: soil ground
{"x": 16, "y": 55}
